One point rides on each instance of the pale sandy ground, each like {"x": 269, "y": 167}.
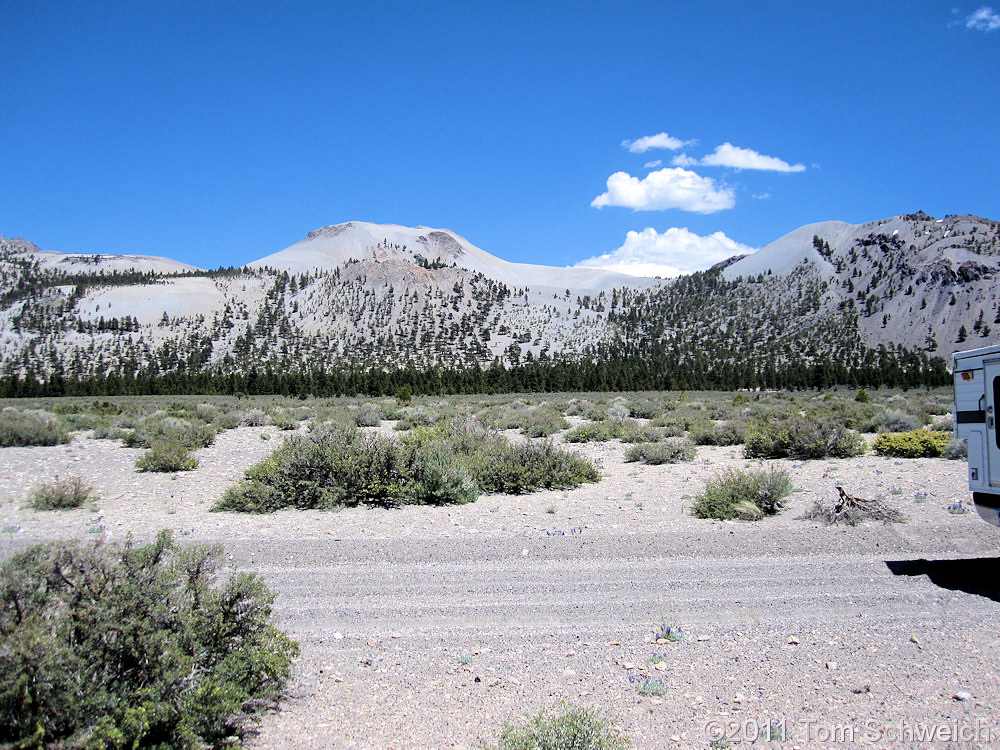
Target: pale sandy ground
{"x": 430, "y": 627}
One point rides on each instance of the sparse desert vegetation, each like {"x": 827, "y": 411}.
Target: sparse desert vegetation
{"x": 451, "y": 518}
{"x": 563, "y": 728}
{"x": 749, "y": 494}
{"x": 63, "y": 493}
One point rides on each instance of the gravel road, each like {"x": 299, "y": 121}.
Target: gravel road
{"x": 430, "y": 627}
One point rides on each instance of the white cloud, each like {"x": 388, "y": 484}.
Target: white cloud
{"x": 984, "y": 19}
{"x": 653, "y": 164}
{"x": 674, "y": 252}
{"x": 728, "y": 155}
{"x": 761, "y": 196}
{"x": 683, "y": 160}
{"x": 663, "y": 189}
{"x": 660, "y": 140}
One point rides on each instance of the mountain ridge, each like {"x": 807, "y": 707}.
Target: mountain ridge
{"x": 362, "y": 295}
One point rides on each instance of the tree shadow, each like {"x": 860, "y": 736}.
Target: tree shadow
{"x": 977, "y": 575}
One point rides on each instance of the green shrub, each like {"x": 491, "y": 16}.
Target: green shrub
{"x": 528, "y": 466}
{"x": 853, "y": 415}
{"x": 166, "y": 456}
{"x": 284, "y": 422}
{"x": 438, "y": 477}
{"x": 942, "y": 424}
{"x": 862, "y": 396}
{"x": 333, "y": 466}
{"x": 249, "y": 496}
{"x": 125, "y": 646}
{"x": 18, "y": 429}
{"x": 707, "y": 432}
{"x": 410, "y": 417}
{"x": 156, "y": 429}
{"x": 624, "y": 429}
{"x": 955, "y": 449}
{"x": 62, "y": 494}
{"x": 448, "y": 463}
{"x": 578, "y": 407}
{"x": 206, "y": 412}
{"x": 567, "y": 728}
{"x": 591, "y": 432}
{"x": 108, "y": 431}
{"x": 630, "y": 431}
{"x": 646, "y": 409}
{"x": 670, "y": 451}
{"x": 226, "y": 421}
{"x": 254, "y": 418}
{"x": 368, "y": 415}
{"x": 618, "y": 411}
{"x": 533, "y": 422}
{"x": 912, "y": 444}
{"x": 542, "y": 423}
{"x": 795, "y": 437}
{"x": 681, "y": 418}
{"x": 750, "y": 494}
{"x": 897, "y": 421}
{"x": 76, "y": 422}
{"x": 673, "y": 430}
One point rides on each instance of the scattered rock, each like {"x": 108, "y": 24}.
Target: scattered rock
{"x": 793, "y": 641}
{"x": 962, "y": 695}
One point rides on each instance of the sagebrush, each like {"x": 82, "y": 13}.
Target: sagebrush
{"x": 670, "y": 451}
{"x": 166, "y": 456}
{"x": 564, "y": 728}
{"x": 134, "y": 646}
{"x": 797, "y": 437}
{"x": 63, "y": 493}
{"x": 28, "y": 428}
{"x": 450, "y": 462}
{"x": 749, "y": 494}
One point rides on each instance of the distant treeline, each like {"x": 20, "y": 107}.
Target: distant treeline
{"x": 893, "y": 368}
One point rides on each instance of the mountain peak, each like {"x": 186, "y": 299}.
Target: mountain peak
{"x": 332, "y": 246}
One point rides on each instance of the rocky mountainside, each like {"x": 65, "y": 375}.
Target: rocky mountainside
{"x": 929, "y": 284}
{"x": 361, "y": 295}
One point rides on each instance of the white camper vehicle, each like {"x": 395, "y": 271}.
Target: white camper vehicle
{"x": 977, "y": 399}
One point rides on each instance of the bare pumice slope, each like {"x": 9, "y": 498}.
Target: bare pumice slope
{"x": 364, "y": 295}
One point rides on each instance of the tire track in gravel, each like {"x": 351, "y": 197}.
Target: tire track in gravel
{"x": 437, "y": 588}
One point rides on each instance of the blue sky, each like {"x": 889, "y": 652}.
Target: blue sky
{"x": 219, "y": 132}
